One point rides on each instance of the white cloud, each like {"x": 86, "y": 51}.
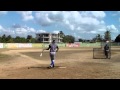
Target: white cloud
{"x": 1, "y": 27}
{"x": 26, "y": 15}
{"x": 90, "y": 21}
{"x": 112, "y": 28}
{"x": 118, "y": 11}
{"x": 55, "y": 16}
{"x": 93, "y": 32}
{"x": 5, "y": 31}
{"x": 102, "y": 22}
{"x": 22, "y": 31}
{"x": 43, "y": 19}
{"x": 96, "y": 14}
{"x": 79, "y": 22}
{"x": 72, "y": 27}
{"x": 102, "y": 30}
{"x": 40, "y": 31}
{"x": 16, "y": 26}
{"x": 3, "y": 12}
{"x": 56, "y": 31}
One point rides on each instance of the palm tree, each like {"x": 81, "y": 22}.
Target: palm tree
{"x": 61, "y": 34}
{"x": 107, "y": 35}
{"x": 98, "y": 37}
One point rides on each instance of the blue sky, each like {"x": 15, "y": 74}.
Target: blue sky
{"x": 80, "y": 24}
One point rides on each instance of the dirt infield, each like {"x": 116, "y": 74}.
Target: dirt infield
{"x": 75, "y": 63}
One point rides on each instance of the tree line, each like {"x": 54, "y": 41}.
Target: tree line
{"x": 99, "y": 38}
{"x": 17, "y": 39}
{"x": 66, "y": 38}
{"x": 29, "y": 39}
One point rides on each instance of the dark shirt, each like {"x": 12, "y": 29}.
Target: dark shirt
{"x": 53, "y": 47}
{"x": 106, "y": 47}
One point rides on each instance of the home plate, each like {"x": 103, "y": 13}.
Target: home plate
{"x": 61, "y": 67}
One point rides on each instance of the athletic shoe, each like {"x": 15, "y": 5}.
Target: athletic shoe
{"x": 50, "y": 67}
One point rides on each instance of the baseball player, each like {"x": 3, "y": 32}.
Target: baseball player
{"x": 106, "y": 49}
{"x": 53, "y": 49}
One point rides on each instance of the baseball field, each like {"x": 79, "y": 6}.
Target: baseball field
{"x": 70, "y": 63}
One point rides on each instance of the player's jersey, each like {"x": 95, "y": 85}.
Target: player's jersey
{"x": 53, "y": 47}
{"x": 106, "y": 47}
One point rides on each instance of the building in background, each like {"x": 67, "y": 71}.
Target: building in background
{"x": 48, "y": 37}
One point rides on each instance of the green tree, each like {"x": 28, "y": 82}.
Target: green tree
{"x": 68, "y": 39}
{"x": 3, "y": 38}
{"x": 9, "y": 39}
{"x": 117, "y": 39}
{"x": 17, "y": 39}
{"x": 61, "y": 34}
{"x": 23, "y": 40}
{"x": 0, "y": 39}
{"x": 80, "y": 40}
{"x": 98, "y": 38}
{"x": 29, "y": 38}
{"x": 107, "y": 35}
{"x": 33, "y": 40}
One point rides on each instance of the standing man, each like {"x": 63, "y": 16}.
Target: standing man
{"x": 106, "y": 49}
{"x": 53, "y": 49}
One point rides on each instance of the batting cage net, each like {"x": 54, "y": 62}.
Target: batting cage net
{"x": 99, "y": 53}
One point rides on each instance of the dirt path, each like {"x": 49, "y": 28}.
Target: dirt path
{"x": 78, "y": 65}
{"x": 22, "y": 61}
